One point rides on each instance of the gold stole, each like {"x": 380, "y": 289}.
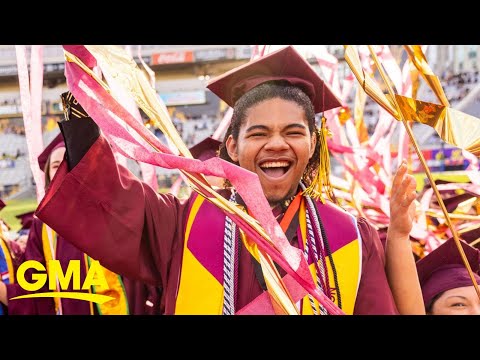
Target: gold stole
{"x": 347, "y": 260}
{"x": 8, "y": 258}
{"x": 199, "y": 292}
{"x": 116, "y": 306}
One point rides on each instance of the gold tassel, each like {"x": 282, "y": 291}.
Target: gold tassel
{"x": 321, "y": 183}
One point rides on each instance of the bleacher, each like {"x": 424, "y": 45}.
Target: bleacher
{"x": 17, "y": 180}
{"x": 199, "y": 121}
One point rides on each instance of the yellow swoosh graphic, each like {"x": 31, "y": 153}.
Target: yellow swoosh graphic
{"x": 96, "y": 298}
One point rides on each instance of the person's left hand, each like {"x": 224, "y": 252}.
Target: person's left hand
{"x": 402, "y": 205}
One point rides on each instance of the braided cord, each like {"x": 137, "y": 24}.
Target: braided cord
{"x": 229, "y": 265}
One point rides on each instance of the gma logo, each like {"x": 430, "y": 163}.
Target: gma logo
{"x": 95, "y": 277}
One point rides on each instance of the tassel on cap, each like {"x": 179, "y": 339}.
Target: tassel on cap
{"x": 321, "y": 185}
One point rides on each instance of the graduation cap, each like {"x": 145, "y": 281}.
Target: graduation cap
{"x": 288, "y": 65}
{"x": 2, "y": 205}
{"x": 284, "y": 64}
{"x": 443, "y": 269}
{"x": 26, "y": 219}
{"x": 205, "y": 149}
{"x": 471, "y": 235}
{"x": 54, "y": 144}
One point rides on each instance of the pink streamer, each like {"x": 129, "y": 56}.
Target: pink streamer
{"x": 148, "y": 171}
{"x": 367, "y": 152}
{"x": 176, "y": 187}
{"x": 31, "y": 109}
{"x": 365, "y": 59}
{"x": 384, "y": 124}
{"x": 474, "y": 177}
{"x": 347, "y": 87}
{"x": 258, "y": 51}
{"x": 105, "y": 111}
{"x": 329, "y": 65}
{"x": 367, "y": 179}
{"x": 149, "y": 175}
{"x": 403, "y": 139}
{"x": 390, "y": 65}
{"x": 352, "y": 133}
{"x": 473, "y": 161}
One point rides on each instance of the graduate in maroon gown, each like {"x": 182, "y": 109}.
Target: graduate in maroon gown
{"x": 446, "y": 285}
{"x": 204, "y": 150}
{"x": 11, "y": 255}
{"x": 26, "y": 220}
{"x": 41, "y": 241}
{"x": 179, "y": 245}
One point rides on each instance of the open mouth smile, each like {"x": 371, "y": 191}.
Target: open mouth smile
{"x": 275, "y": 169}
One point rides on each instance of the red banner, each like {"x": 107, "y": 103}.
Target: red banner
{"x": 172, "y": 57}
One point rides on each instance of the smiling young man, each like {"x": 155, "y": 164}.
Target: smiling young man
{"x": 276, "y": 143}
{"x": 179, "y": 245}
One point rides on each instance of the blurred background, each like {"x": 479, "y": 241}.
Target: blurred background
{"x": 181, "y": 73}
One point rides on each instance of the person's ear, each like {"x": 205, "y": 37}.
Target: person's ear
{"x": 232, "y": 148}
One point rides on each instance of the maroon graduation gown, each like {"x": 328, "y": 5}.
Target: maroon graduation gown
{"x": 134, "y": 231}
{"x": 137, "y": 293}
{"x": 16, "y": 254}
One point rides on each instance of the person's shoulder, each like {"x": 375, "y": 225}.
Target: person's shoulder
{"x": 369, "y": 234}
{"x": 15, "y": 247}
{"x": 336, "y": 208}
{"x": 186, "y": 202}
{"x": 366, "y": 226}
{"x": 36, "y": 222}
{"x": 362, "y": 221}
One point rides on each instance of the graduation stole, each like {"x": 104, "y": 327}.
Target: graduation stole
{"x": 7, "y": 272}
{"x": 201, "y": 280}
{"x": 117, "y": 306}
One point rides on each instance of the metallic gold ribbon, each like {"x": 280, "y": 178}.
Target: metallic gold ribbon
{"x": 126, "y": 72}
{"x": 392, "y": 105}
{"x": 453, "y": 126}
{"x": 418, "y": 59}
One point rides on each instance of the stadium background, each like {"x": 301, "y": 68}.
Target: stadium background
{"x": 181, "y": 72}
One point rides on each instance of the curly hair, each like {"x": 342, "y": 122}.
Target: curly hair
{"x": 266, "y": 91}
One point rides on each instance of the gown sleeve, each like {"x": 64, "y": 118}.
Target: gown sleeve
{"x": 374, "y": 295}
{"x": 35, "y": 306}
{"x": 107, "y": 212}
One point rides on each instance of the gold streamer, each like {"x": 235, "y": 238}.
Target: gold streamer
{"x": 453, "y": 216}
{"x": 276, "y": 286}
{"x": 418, "y": 59}
{"x": 359, "y": 109}
{"x": 393, "y": 100}
{"x": 368, "y": 84}
{"x": 415, "y": 76}
{"x": 453, "y": 126}
{"x": 121, "y": 66}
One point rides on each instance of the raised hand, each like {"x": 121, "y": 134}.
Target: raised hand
{"x": 402, "y": 205}
{"x": 400, "y": 262}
